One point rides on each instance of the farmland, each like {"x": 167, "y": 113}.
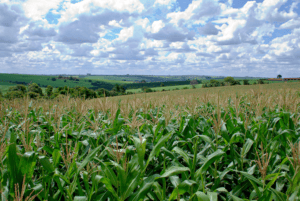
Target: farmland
{"x": 4, "y": 86}
{"x": 91, "y": 82}
{"x": 43, "y": 81}
{"x": 102, "y": 78}
{"x": 230, "y": 143}
{"x": 167, "y": 88}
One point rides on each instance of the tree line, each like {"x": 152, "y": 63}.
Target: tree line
{"x": 229, "y": 81}
{"x": 35, "y": 91}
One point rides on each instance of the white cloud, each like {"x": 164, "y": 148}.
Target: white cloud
{"x": 115, "y": 23}
{"x": 268, "y": 10}
{"x": 85, "y": 6}
{"x": 150, "y": 43}
{"x": 126, "y": 33}
{"x": 197, "y": 11}
{"x": 156, "y": 26}
{"x": 142, "y": 22}
{"x": 228, "y": 31}
{"x": 36, "y": 9}
{"x": 291, "y": 24}
{"x": 152, "y": 38}
{"x": 167, "y": 3}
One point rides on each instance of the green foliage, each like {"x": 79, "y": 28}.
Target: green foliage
{"x": 235, "y": 82}
{"x": 35, "y": 89}
{"x": 228, "y": 79}
{"x": 33, "y": 95}
{"x": 260, "y": 81}
{"x": 103, "y": 92}
{"x": 14, "y": 94}
{"x": 279, "y": 76}
{"x": 155, "y": 84}
{"x": 75, "y": 151}
{"x": 246, "y": 82}
{"x": 147, "y": 90}
{"x": 44, "y": 81}
{"x": 119, "y": 88}
{"x": 49, "y": 90}
{"x": 20, "y": 87}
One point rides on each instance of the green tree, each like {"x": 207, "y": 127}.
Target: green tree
{"x": 279, "y": 76}
{"x": 102, "y": 92}
{"x": 14, "y": 94}
{"x": 33, "y": 95}
{"x": 35, "y": 89}
{"x": 229, "y": 79}
{"x": 213, "y": 83}
{"x": 119, "y": 88}
{"x": 53, "y": 79}
{"x": 260, "y": 81}
{"x": 235, "y": 82}
{"x": 147, "y": 89}
{"x": 49, "y": 90}
{"x": 20, "y": 87}
{"x": 246, "y": 82}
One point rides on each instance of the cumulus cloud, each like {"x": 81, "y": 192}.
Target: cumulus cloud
{"x": 10, "y": 24}
{"x": 208, "y": 37}
{"x": 86, "y": 28}
{"x": 73, "y": 10}
{"x": 270, "y": 11}
{"x": 156, "y": 26}
{"x": 196, "y": 10}
{"x": 7, "y": 16}
{"x": 33, "y": 30}
{"x": 291, "y": 24}
{"x": 36, "y": 9}
{"x": 208, "y": 29}
{"x": 171, "y": 34}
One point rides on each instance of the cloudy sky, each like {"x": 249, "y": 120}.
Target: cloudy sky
{"x": 153, "y": 37}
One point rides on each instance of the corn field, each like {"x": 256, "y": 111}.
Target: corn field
{"x": 201, "y": 145}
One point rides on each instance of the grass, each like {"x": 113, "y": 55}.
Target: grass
{"x": 102, "y": 78}
{"x": 224, "y": 143}
{"x": 178, "y": 87}
{"x": 4, "y": 86}
{"x": 44, "y": 81}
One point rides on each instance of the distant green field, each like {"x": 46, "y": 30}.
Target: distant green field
{"x": 147, "y": 78}
{"x": 4, "y": 86}
{"x": 44, "y": 81}
{"x": 165, "y": 88}
{"x": 102, "y": 78}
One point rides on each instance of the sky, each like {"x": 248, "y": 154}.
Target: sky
{"x": 151, "y": 37}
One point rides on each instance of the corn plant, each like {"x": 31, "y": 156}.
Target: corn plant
{"x": 210, "y": 146}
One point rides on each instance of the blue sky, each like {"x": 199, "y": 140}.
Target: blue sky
{"x": 151, "y": 37}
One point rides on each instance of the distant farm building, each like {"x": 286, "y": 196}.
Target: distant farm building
{"x": 283, "y": 79}
{"x": 288, "y": 79}
{"x": 275, "y": 79}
